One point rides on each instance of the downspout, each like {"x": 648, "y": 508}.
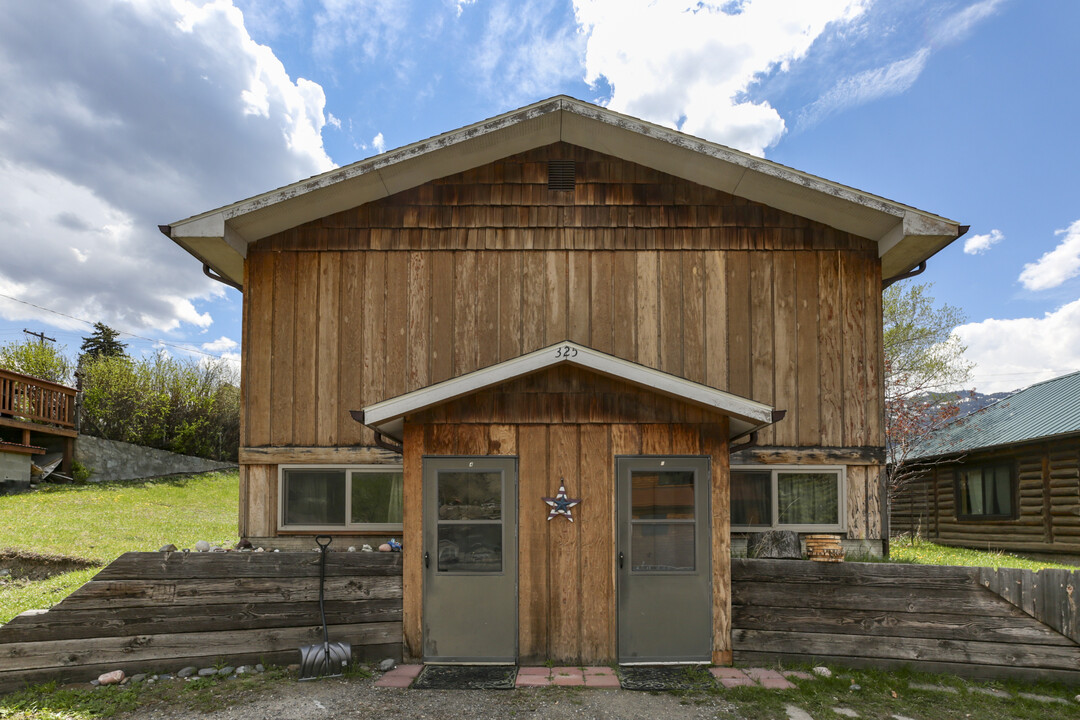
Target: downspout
{"x": 921, "y": 267}
{"x": 381, "y": 440}
{"x": 166, "y": 230}
{"x": 777, "y": 416}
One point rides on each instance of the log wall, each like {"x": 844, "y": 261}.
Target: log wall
{"x": 967, "y": 621}
{"x": 1047, "y": 501}
{"x": 149, "y": 612}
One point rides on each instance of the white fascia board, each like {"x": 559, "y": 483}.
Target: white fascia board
{"x": 385, "y": 416}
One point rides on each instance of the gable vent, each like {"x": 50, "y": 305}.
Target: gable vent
{"x": 561, "y": 175}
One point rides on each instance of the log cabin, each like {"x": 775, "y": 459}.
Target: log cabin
{"x": 565, "y": 356}
{"x": 1004, "y": 478}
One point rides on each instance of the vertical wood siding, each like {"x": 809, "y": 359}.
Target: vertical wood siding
{"x": 337, "y": 331}
{"x": 566, "y": 571}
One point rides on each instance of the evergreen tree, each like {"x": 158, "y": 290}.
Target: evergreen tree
{"x": 101, "y": 343}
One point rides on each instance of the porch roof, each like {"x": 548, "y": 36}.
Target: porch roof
{"x": 905, "y": 236}
{"x": 746, "y": 416}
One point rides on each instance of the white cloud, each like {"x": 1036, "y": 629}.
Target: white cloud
{"x": 220, "y": 345}
{"x": 1055, "y": 267}
{"x": 1009, "y": 354}
{"x": 155, "y": 111}
{"x": 957, "y": 26}
{"x": 690, "y": 64}
{"x": 869, "y": 85}
{"x": 461, "y": 5}
{"x": 978, "y": 244}
{"x": 897, "y": 76}
{"x": 379, "y": 143}
{"x": 527, "y": 51}
{"x": 333, "y": 121}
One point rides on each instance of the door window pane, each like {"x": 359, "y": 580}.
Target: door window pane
{"x": 314, "y": 497}
{"x": 377, "y": 497}
{"x": 661, "y": 546}
{"x": 470, "y": 495}
{"x": 662, "y": 495}
{"x": 807, "y": 499}
{"x": 469, "y": 547}
{"x": 751, "y": 498}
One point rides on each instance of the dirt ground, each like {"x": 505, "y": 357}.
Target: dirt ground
{"x": 332, "y": 699}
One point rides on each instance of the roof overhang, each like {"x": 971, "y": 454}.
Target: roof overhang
{"x": 746, "y": 416}
{"x": 905, "y": 235}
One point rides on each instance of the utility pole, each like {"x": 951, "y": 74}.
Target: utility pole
{"x": 40, "y": 336}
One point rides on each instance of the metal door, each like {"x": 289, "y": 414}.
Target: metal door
{"x": 664, "y": 562}
{"x": 470, "y": 559}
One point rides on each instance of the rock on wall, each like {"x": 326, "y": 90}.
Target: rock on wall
{"x": 114, "y": 460}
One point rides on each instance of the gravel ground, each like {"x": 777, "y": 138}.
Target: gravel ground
{"x": 357, "y": 698}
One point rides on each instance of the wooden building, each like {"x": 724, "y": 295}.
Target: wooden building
{"x": 1006, "y": 477}
{"x": 439, "y": 337}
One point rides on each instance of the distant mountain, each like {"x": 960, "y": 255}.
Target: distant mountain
{"x": 971, "y": 401}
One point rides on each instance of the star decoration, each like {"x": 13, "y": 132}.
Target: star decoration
{"x": 561, "y": 504}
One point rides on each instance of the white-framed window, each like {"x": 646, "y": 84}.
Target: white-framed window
{"x": 787, "y": 497}
{"x": 341, "y": 497}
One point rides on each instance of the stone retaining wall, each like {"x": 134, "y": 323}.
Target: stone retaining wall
{"x": 113, "y": 460}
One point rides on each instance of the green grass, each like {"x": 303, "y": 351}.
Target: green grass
{"x": 100, "y": 522}
{"x": 921, "y": 552}
{"x": 875, "y": 697}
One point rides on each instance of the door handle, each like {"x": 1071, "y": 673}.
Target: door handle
{"x": 427, "y": 559}
{"x": 620, "y": 560}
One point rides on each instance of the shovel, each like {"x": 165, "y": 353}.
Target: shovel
{"x": 325, "y": 659}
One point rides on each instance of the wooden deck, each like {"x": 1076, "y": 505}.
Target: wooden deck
{"x": 979, "y": 622}
{"x": 161, "y": 611}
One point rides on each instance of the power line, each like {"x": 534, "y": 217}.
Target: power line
{"x": 186, "y": 348}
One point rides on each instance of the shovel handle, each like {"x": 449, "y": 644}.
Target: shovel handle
{"x": 323, "y": 545}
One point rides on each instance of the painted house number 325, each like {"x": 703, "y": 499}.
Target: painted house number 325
{"x": 566, "y": 351}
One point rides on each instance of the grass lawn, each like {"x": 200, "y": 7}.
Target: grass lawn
{"x": 100, "y": 522}
{"x": 921, "y": 552}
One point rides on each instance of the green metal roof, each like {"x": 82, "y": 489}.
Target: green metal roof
{"x": 1043, "y": 410}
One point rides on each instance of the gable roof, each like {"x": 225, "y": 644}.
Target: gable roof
{"x": 1042, "y": 411}
{"x": 905, "y": 235}
{"x": 746, "y": 416}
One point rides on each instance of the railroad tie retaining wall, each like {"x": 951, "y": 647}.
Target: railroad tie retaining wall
{"x": 162, "y": 611}
{"x": 977, "y": 622}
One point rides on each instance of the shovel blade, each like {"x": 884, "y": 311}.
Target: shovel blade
{"x": 324, "y": 660}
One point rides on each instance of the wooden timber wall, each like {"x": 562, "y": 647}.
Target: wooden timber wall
{"x": 1047, "y": 502}
{"x": 968, "y": 621}
{"x": 566, "y": 571}
{"x": 162, "y": 611}
{"x": 483, "y": 266}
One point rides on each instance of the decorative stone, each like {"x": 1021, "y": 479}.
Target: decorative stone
{"x": 218, "y": 549}
{"x": 94, "y": 682}
{"x": 387, "y": 665}
{"x": 167, "y": 548}
{"x": 775, "y": 544}
{"x": 111, "y": 678}
{"x": 188, "y": 671}
{"x": 225, "y": 671}
{"x": 259, "y": 550}
{"x": 259, "y": 668}
{"x": 242, "y": 670}
{"x": 207, "y": 672}
{"x": 846, "y": 712}
{"x": 352, "y": 548}
{"x": 202, "y": 546}
{"x": 822, "y": 671}
{"x": 164, "y": 677}
{"x": 385, "y": 547}
{"x": 855, "y": 686}
{"x": 366, "y": 548}
{"x": 244, "y": 544}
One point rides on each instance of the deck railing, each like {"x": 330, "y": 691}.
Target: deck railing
{"x": 30, "y": 398}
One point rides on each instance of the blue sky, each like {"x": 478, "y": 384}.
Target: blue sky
{"x": 142, "y": 112}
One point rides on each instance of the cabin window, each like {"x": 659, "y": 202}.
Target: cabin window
{"x": 985, "y": 492}
{"x": 787, "y": 498}
{"x": 341, "y": 497}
